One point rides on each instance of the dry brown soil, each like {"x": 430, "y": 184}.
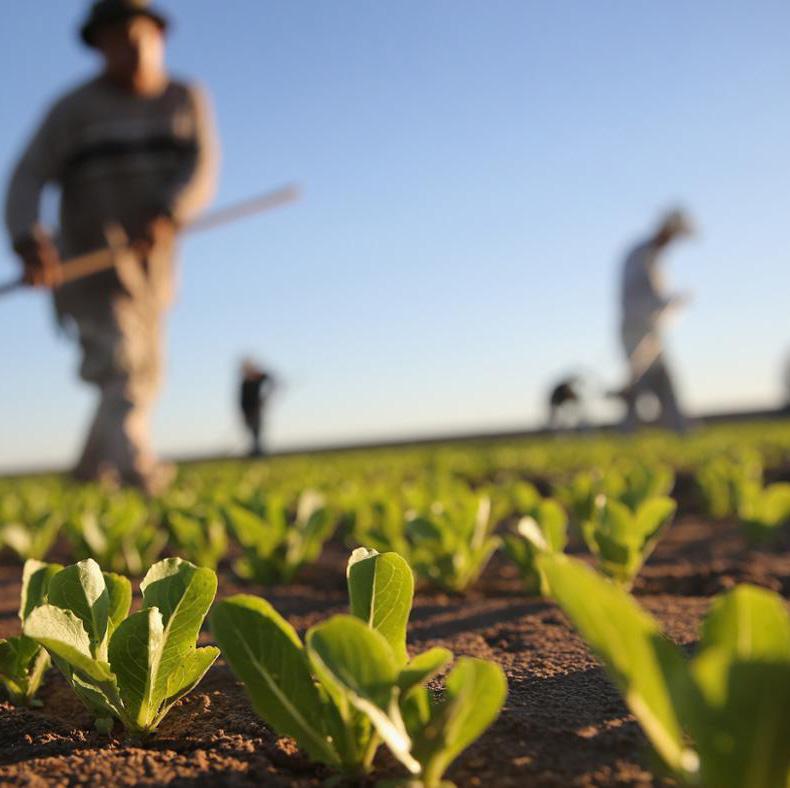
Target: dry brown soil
{"x": 563, "y": 725}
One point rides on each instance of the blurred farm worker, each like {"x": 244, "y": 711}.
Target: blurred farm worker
{"x": 645, "y": 308}
{"x": 787, "y": 383}
{"x": 256, "y": 386}
{"x": 133, "y": 154}
{"x": 565, "y": 404}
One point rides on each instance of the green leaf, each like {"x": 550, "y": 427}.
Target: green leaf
{"x": 742, "y": 674}
{"x": 644, "y": 665}
{"x": 554, "y": 524}
{"x": 119, "y": 590}
{"x": 182, "y": 593}
{"x": 652, "y": 516}
{"x": 741, "y": 732}
{"x": 252, "y": 531}
{"x": 22, "y": 666}
{"x": 135, "y": 654}
{"x": 187, "y": 676}
{"x": 748, "y": 623}
{"x": 63, "y": 634}
{"x": 359, "y": 671}
{"x": 81, "y": 589}
{"x": 16, "y": 653}
{"x": 423, "y": 668}
{"x": 35, "y": 584}
{"x": 265, "y": 653}
{"x": 381, "y": 589}
{"x": 476, "y": 691}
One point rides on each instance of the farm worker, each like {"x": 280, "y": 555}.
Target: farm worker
{"x": 646, "y": 305}
{"x": 565, "y": 403}
{"x": 256, "y": 385}
{"x": 133, "y": 154}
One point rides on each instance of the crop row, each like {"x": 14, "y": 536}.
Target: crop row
{"x": 717, "y": 718}
{"x": 447, "y": 527}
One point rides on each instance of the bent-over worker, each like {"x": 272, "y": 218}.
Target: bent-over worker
{"x": 645, "y": 306}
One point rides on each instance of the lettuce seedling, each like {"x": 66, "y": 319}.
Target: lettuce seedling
{"x": 290, "y": 686}
{"x": 622, "y": 540}
{"x": 451, "y": 546}
{"x": 351, "y": 686}
{"x": 719, "y": 719}
{"x": 722, "y": 480}
{"x": 23, "y": 662}
{"x": 544, "y": 528}
{"x": 131, "y": 667}
{"x": 579, "y": 495}
{"x": 117, "y": 531}
{"x": 380, "y": 522}
{"x": 641, "y": 482}
{"x": 276, "y": 546}
{"x": 762, "y": 511}
{"x": 31, "y": 539}
{"x": 517, "y": 498}
{"x": 200, "y": 534}
{"x": 441, "y": 729}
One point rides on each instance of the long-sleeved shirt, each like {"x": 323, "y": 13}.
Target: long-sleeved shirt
{"x": 117, "y": 158}
{"x": 643, "y": 293}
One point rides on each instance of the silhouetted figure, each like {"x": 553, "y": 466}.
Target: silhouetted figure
{"x": 787, "y": 384}
{"x": 134, "y": 150}
{"x": 646, "y": 305}
{"x": 256, "y": 385}
{"x": 565, "y": 404}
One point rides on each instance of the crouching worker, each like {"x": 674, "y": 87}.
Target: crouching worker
{"x": 133, "y": 150}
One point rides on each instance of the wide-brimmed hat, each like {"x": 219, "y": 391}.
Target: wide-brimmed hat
{"x": 108, "y": 12}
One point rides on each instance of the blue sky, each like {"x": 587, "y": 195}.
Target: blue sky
{"x": 473, "y": 172}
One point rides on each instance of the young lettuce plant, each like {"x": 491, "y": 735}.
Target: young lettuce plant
{"x": 23, "y": 662}
{"x": 622, "y": 540}
{"x": 31, "y": 540}
{"x": 351, "y": 685}
{"x": 641, "y": 482}
{"x": 722, "y": 479}
{"x": 451, "y": 546}
{"x": 116, "y": 531}
{"x": 133, "y": 668}
{"x": 719, "y": 719}
{"x": 380, "y": 522}
{"x": 545, "y": 528}
{"x": 276, "y": 546}
{"x": 762, "y": 511}
{"x": 200, "y": 534}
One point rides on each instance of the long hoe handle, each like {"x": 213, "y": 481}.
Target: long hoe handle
{"x": 104, "y": 259}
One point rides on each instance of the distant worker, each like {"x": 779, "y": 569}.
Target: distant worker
{"x": 787, "y": 383}
{"x": 133, "y": 153}
{"x": 646, "y": 305}
{"x": 256, "y": 386}
{"x": 565, "y": 408}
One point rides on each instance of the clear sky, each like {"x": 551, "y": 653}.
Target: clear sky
{"x": 473, "y": 172}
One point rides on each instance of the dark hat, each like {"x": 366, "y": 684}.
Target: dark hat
{"x": 108, "y": 12}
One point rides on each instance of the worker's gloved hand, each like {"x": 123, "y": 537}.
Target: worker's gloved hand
{"x": 159, "y": 231}
{"x": 40, "y": 258}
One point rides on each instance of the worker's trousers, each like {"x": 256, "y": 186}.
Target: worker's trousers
{"x": 121, "y": 347}
{"x": 649, "y": 375}
{"x": 120, "y": 334}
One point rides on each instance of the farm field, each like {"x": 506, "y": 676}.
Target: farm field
{"x": 564, "y": 722}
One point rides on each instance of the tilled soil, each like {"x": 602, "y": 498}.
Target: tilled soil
{"x": 563, "y": 724}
